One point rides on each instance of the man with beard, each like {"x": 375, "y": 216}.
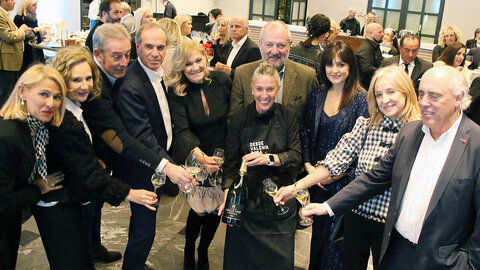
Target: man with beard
{"x": 296, "y": 79}
{"x": 369, "y": 56}
{"x": 111, "y": 12}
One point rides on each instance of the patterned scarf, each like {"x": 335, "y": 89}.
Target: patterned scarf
{"x": 39, "y": 134}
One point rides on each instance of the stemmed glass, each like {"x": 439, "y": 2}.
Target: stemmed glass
{"x": 303, "y": 197}
{"x": 193, "y": 166}
{"x": 219, "y": 157}
{"x": 271, "y": 189}
{"x": 158, "y": 180}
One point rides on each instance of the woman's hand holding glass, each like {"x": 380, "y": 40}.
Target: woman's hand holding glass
{"x": 284, "y": 194}
{"x": 194, "y": 165}
{"x": 303, "y": 196}
{"x": 271, "y": 189}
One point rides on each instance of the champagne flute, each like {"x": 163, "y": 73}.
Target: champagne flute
{"x": 303, "y": 196}
{"x": 193, "y": 166}
{"x": 271, "y": 189}
{"x": 158, "y": 180}
{"x": 219, "y": 157}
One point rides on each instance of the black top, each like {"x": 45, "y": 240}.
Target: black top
{"x": 437, "y": 51}
{"x": 89, "y": 40}
{"x": 350, "y": 24}
{"x": 192, "y": 127}
{"x": 29, "y": 54}
{"x": 471, "y": 43}
{"x": 308, "y": 54}
{"x": 170, "y": 11}
{"x": 369, "y": 59}
{"x": 219, "y": 52}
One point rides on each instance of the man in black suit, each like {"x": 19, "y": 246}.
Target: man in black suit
{"x": 111, "y": 12}
{"x": 242, "y": 50}
{"x": 170, "y": 10}
{"x": 142, "y": 103}
{"x": 369, "y": 56}
{"x": 433, "y": 219}
{"x": 475, "y": 52}
{"x": 111, "y": 44}
{"x": 408, "y": 60}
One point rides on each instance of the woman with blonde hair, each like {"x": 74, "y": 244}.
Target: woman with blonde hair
{"x": 391, "y": 103}
{"x": 199, "y": 99}
{"x": 27, "y": 14}
{"x": 185, "y": 23}
{"x": 221, "y": 40}
{"x": 35, "y": 104}
{"x": 448, "y": 36}
{"x": 174, "y": 38}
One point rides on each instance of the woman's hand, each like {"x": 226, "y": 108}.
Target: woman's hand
{"x": 143, "y": 197}
{"x": 255, "y": 159}
{"x": 314, "y": 209}
{"x": 284, "y": 194}
{"x": 210, "y": 164}
{"x": 178, "y": 175}
{"x": 309, "y": 167}
{"x": 50, "y": 183}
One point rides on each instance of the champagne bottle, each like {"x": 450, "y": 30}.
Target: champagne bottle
{"x": 235, "y": 205}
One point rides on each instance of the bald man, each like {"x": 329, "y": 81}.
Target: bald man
{"x": 369, "y": 56}
{"x": 242, "y": 50}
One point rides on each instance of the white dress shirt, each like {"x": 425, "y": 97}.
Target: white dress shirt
{"x": 411, "y": 66}
{"x": 236, "y": 47}
{"x": 76, "y": 110}
{"x": 93, "y": 9}
{"x": 423, "y": 178}
{"x": 156, "y": 78}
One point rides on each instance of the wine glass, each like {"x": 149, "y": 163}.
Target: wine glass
{"x": 193, "y": 166}
{"x": 158, "y": 180}
{"x": 303, "y": 196}
{"x": 219, "y": 157}
{"x": 271, "y": 189}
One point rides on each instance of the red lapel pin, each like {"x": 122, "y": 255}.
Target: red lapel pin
{"x": 464, "y": 141}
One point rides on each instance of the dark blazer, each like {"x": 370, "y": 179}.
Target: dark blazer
{"x": 170, "y": 11}
{"x": 450, "y": 233}
{"x": 437, "y": 51}
{"x": 249, "y": 52}
{"x": 138, "y": 105}
{"x": 89, "y": 40}
{"x": 369, "y": 58}
{"x": 30, "y": 54}
{"x": 110, "y": 137}
{"x": 471, "y": 43}
{"x": 476, "y": 57}
{"x": 420, "y": 67}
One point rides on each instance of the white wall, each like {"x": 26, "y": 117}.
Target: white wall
{"x": 464, "y": 14}
{"x": 191, "y": 7}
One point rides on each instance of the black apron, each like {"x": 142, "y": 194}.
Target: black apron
{"x": 265, "y": 240}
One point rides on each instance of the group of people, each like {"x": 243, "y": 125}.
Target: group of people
{"x": 356, "y": 129}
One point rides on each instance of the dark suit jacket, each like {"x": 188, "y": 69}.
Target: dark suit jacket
{"x": 110, "y": 137}
{"x": 170, "y": 11}
{"x": 89, "y": 40}
{"x": 420, "y": 67}
{"x": 450, "y": 235}
{"x": 138, "y": 105}
{"x": 249, "y": 52}
{"x": 471, "y": 43}
{"x": 476, "y": 57}
{"x": 369, "y": 58}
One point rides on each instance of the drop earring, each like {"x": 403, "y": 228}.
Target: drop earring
{"x": 22, "y": 102}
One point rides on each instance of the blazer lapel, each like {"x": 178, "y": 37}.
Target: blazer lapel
{"x": 456, "y": 151}
{"x": 289, "y": 78}
{"x": 239, "y": 54}
{"x": 416, "y": 70}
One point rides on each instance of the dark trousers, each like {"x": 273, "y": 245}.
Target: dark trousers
{"x": 9, "y": 242}
{"x": 400, "y": 253}
{"x": 91, "y": 218}
{"x": 60, "y": 227}
{"x": 359, "y": 236}
{"x": 208, "y": 225}
{"x": 7, "y": 83}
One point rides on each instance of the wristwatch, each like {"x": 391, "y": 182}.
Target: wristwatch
{"x": 270, "y": 160}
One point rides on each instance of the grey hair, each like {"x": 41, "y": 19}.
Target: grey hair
{"x": 352, "y": 9}
{"x": 109, "y": 31}
{"x": 279, "y": 23}
{"x": 152, "y": 25}
{"x": 457, "y": 84}
{"x": 126, "y": 7}
{"x": 266, "y": 69}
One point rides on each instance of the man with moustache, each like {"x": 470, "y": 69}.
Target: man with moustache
{"x": 369, "y": 56}
{"x": 111, "y": 139}
{"x": 110, "y": 12}
{"x": 296, "y": 79}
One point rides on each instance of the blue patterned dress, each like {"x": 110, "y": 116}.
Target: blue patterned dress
{"x": 321, "y": 134}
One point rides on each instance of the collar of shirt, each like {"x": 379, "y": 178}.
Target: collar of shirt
{"x": 110, "y": 78}
{"x": 391, "y": 124}
{"x": 410, "y": 65}
{"x": 74, "y": 107}
{"x": 240, "y": 43}
{"x": 320, "y": 46}
{"x": 154, "y": 76}
{"x": 449, "y": 134}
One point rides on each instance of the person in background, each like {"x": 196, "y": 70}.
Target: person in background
{"x": 213, "y": 16}
{"x": 241, "y": 50}
{"x": 350, "y": 24}
{"x": 11, "y": 49}
{"x": 369, "y": 56}
{"x": 170, "y": 10}
{"x": 475, "y": 41}
{"x": 331, "y": 111}
{"x": 221, "y": 40}
{"x": 198, "y": 99}
{"x": 127, "y": 17}
{"x": 110, "y": 12}
{"x": 332, "y": 35}
{"x": 371, "y": 17}
{"x": 448, "y": 36}
{"x": 266, "y": 239}
{"x": 390, "y": 42}
{"x": 309, "y": 52}
{"x": 454, "y": 56}
{"x": 27, "y": 14}
{"x": 185, "y": 23}
{"x": 142, "y": 16}
{"x": 391, "y": 103}
{"x": 93, "y": 10}
{"x": 174, "y": 39}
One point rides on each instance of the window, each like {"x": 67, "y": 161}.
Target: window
{"x": 423, "y": 16}
{"x": 289, "y": 11}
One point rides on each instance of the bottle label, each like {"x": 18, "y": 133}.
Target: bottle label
{"x": 234, "y": 211}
